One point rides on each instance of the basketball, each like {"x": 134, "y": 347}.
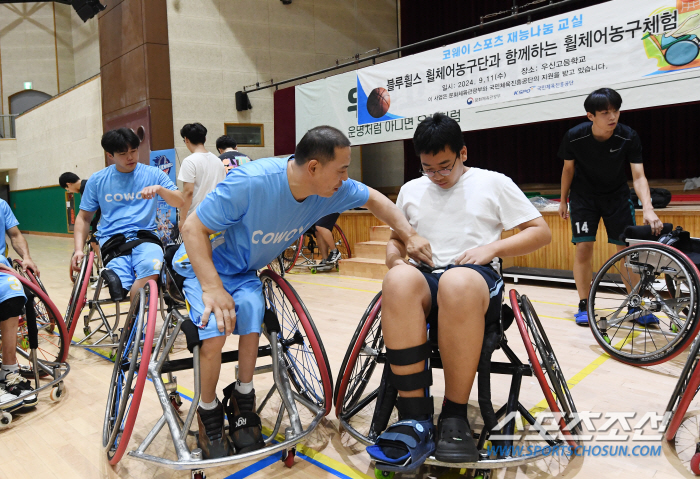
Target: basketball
{"x": 378, "y": 102}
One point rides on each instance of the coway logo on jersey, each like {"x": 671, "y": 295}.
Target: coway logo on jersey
{"x": 267, "y": 238}
{"x": 123, "y": 197}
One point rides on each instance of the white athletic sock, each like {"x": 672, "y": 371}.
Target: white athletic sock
{"x": 208, "y": 406}
{"x": 244, "y": 388}
{"x": 7, "y": 369}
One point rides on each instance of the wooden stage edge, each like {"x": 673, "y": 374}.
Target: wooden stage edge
{"x": 559, "y": 254}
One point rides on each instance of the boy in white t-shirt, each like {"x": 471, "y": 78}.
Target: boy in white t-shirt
{"x": 200, "y": 172}
{"x": 462, "y": 212}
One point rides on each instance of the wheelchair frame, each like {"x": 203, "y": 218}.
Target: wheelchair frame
{"x": 290, "y": 256}
{"x": 57, "y": 369}
{"x": 160, "y": 364}
{"x": 551, "y": 380}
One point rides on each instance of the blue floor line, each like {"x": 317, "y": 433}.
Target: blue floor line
{"x": 322, "y": 466}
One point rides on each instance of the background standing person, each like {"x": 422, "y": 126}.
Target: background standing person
{"x": 200, "y": 172}
{"x": 595, "y": 153}
{"x": 228, "y": 154}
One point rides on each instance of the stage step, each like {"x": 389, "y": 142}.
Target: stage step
{"x": 370, "y": 249}
{"x": 379, "y": 233}
{"x": 364, "y": 268}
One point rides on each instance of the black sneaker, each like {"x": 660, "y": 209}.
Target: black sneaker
{"x": 334, "y": 256}
{"x": 244, "y": 424}
{"x": 15, "y": 384}
{"x": 212, "y": 439}
{"x": 454, "y": 441}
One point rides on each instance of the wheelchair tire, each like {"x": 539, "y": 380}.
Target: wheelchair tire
{"x": 306, "y": 361}
{"x": 341, "y": 242}
{"x": 291, "y": 254}
{"x": 353, "y": 378}
{"x": 683, "y": 393}
{"x": 134, "y": 351}
{"x": 52, "y": 334}
{"x": 661, "y": 342}
{"x": 78, "y": 296}
{"x": 544, "y": 364}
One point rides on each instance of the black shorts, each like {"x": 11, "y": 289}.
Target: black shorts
{"x": 493, "y": 281}
{"x": 327, "y": 221}
{"x": 616, "y": 210}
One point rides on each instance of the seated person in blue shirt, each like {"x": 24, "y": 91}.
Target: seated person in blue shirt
{"x": 125, "y": 192}
{"x": 254, "y": 214}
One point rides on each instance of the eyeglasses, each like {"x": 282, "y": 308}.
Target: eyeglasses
{"x": 443, "y": 172}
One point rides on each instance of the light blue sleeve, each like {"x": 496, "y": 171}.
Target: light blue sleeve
{"x": 351, "y": 195}
{"x": 10, "y": 219}
{"x": 165, "y": 181}
{"x": 89, "y": 200}
{"x": 225, "y": 206}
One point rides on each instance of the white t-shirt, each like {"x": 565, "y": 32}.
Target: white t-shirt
{"x": 205, "y": 170}
{"x": 472, "y": 213}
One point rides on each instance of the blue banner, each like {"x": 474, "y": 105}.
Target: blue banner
{"x": 166, "y": 215}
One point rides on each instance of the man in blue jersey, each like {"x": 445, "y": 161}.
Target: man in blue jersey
{"x": 12, "y": 305}
{"x": 247, "y": 221}
{"x": 124, "y": 192}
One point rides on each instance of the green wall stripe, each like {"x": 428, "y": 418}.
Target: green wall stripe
{"x": 43, "y": 209}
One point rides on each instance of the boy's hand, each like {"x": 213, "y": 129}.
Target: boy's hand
{"x": 76, "y": 260}
{"x": 419, "y": 249}
{"x": 29, "y": 264}
{"x": 150, "y": 192}
{"x": 564, "y": 210}
{"x": 219, "y": 302}
{"x": 481, "y": 255}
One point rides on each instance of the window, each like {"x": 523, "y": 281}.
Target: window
{"x": 246, "y": 134}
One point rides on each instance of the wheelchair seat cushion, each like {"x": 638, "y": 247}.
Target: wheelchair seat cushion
{"x": 405, "y": 445}
{"x": 643, "y": 232}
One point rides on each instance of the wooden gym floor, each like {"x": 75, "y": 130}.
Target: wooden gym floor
{"x": 63, "y": 439}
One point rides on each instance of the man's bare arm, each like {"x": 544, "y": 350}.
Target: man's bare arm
{"x": 19, "y": 244}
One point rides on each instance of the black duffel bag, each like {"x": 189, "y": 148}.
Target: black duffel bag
{"x": 660, "y": 198}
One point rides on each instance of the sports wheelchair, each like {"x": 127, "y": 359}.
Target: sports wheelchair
{"x": 365, "y": 402}
{"x": 299, "y": 366}
{"x": 643, "y": 303}
{"x": 307, "y": 248}
{"x": 42, "y": 343}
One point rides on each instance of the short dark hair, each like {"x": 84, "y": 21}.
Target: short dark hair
{"x": 66, "y": 178}
{"x": 320, "y": 143}
{"x": 120, "y": 140}
{"x": 225, "y": 141}
{"x": 437, "y": 132}
{"x": 195, "y": 132}
{"x": 601, "y": 100}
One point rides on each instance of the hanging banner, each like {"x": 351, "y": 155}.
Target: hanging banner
{"x": 166, "y": 215}
{"x": 603, "y": 45}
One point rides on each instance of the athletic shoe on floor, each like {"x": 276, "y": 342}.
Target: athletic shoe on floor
{"x": 212, "y": 439}
{"x": 16, "y": 385}
{"x": 645, "y": 320}
{"x": 581, "y": 317}
{"x": 334, "y": 256}
{"x": 244, "y": 424}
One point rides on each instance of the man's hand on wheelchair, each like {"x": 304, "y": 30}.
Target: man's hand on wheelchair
{"x": 419, "y": 249}
{"x": 29, "y": 264}
{"x": 219, "y": 302}
{"x": 481, "y": 255}
{"x": 76, "y": 260}
{"x": 652, "y": 220}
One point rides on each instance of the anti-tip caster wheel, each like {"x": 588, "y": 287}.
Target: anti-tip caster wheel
{"x": 314, "y": 271}
{"x": 288, "y": 457}
{"x": 674, "y": 328}
{"x": 176, "y": 401}
{"x": 5, "y": 419}
{"x": 57, "y": 392}
{"x": 383, "y": 474}
{"x": 482, "y": 474}
{"x": 199, "y": 475}
{"x": 695, "y": 461}
{"x": 112, "y": 355}
{"x": 87, "y": 330}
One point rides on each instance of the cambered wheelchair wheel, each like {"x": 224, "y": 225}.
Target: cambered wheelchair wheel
{"x": 544, "y": 364}
{"x": 130, "y": 372}
{"x": 632, "y": 288}
{"x": 341, "y": 242}
{"x": 291, "y": 254}
{"x": 360, "y": 359}
{"x": 78, "y": 296}
{"x": 277, "y": 265}
{"x": 52, "y": 335}
{"x": 683, "y": 393}
{"x": 305, "y": 356}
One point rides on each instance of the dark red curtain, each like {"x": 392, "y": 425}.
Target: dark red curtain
{"x": 528, "y": 153}
{"x": 285, "y": 121}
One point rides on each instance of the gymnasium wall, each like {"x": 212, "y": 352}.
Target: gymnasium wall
{"x": 47, "y": 44}
{"x": 40, "y": 210}
{"x": 219, "y": 46}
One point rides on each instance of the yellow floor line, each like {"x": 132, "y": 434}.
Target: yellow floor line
{"x": 555, "y": 317}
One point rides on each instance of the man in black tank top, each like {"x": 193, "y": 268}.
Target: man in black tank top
{"x": 595, "y": 154}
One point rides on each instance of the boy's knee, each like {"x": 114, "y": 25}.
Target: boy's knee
{"x": 403, "y": 280}
{"x": 463, "y": 286}
{"x": 212, "y": 346}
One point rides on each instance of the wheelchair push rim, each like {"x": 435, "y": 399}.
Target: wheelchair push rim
{"x": 78, "y": 302}
{"x": 341, "y": 242}
{"x": 543, "y": 360}
{"x": 684, "y": 391}
{"x": 305, "y": 356}
{"x": 134, "y": 351}
{"x": 613, "y": 323}
{"x": 351, "y": 379}
{"x": 291, "y": 254}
